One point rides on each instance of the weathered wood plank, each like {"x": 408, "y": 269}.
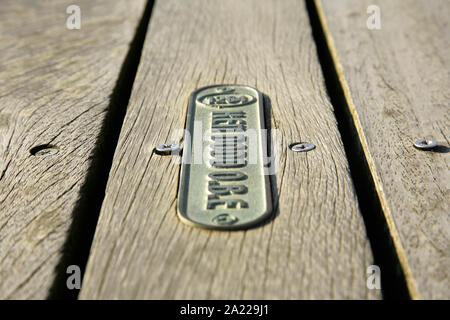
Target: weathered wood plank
{"x": 55, "y": 88}
{"x": 396, "y": 83}
{"x": 317, "y": 245}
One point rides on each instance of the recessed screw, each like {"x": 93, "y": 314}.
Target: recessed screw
{"x": 167, "y": 148}
{"x": 223, "y": 89}
{"x": 225, "y": 219}
{"x": 425, "y": 144}
{"x": 44, "y": 151}
{"x": 302, "y": 146}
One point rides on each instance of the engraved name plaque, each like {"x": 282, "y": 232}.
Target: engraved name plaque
{"x": 223, "y": 182}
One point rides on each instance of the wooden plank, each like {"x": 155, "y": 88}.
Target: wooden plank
{"x": 316, "y": 247}
{"x": 396, "y": 83}
{"x": 55, "y": 88}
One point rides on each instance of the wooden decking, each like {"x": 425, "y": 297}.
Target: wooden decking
{"x": 106, "y": 95}
{"x": 396, "y": 82}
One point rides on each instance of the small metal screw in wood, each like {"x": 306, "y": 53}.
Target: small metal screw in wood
{"x": 44, "y": 151}
{"x": 225, "y": 219}
{"x": 302, "y": 147}
{"x": 425, "y": 144}
{"x": 167, "y": 148}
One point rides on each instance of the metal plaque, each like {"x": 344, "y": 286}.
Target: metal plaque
{"x": 224, "y": 182}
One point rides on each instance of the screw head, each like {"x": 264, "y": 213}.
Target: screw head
{"x": 223, "y": 89}
{"x": 225, "y": 219}
{"x": 44, "y": 151}
{"x": 425, "y": 144}
{"x": 167, "y": 148}
{"x": 302, "y": 146}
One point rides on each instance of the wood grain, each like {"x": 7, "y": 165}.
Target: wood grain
{"x": 396, "y": 82}
{"x": 316, "y": 247}
{"x": 55, "y": 87}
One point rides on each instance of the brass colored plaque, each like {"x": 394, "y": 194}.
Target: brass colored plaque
{"x": 224, "y": 184}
